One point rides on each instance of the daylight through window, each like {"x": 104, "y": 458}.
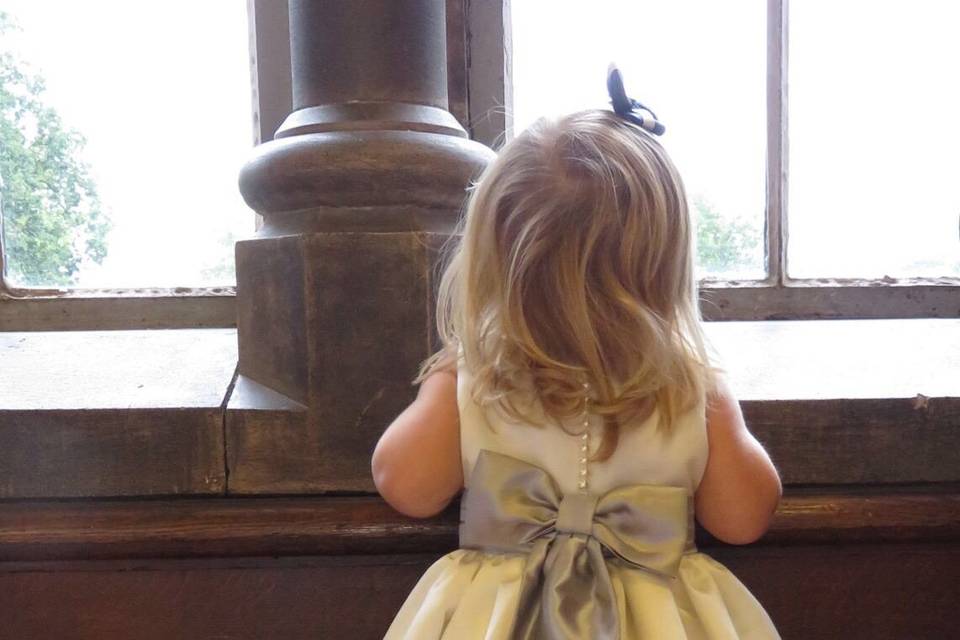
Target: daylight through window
{"x": 123, "y": 126}
{"x": 870, "y": 153}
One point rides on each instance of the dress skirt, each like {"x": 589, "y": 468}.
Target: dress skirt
{"x": 472, "y": 594}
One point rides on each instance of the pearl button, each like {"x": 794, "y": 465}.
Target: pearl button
{"x": 584, "y": 441}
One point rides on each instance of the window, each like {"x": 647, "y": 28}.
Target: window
{"x": 846, "y": 209}
{"x": 873, "y": 137}
{"x": 758, "y": 270}
{"x": 125, "y": 127}
{"x": 712, "y": 106}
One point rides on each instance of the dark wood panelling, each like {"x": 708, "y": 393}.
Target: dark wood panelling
{"x": 111, "y": 452}
{"x": 265, "y": 600}
{"x": 121, "y": 413}
{"x": 859, "y": 592}
{"x": 352, "y": 525}
{"x": 860, "y": 441}
{"x": 865, "y": 592}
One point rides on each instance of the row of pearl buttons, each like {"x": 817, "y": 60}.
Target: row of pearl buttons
{"x": 584, "y": 441}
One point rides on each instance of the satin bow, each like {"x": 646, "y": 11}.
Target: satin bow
{"x": 514, "y": 506}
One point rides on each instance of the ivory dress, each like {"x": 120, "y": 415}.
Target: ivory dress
{"x": 542, "y": 558}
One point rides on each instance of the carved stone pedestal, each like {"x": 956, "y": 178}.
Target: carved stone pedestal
{"x": 359, "y": 190}
{"x": 343, "y": 323}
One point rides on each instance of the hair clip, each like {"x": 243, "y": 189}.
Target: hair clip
{"x": 627, "y": 107}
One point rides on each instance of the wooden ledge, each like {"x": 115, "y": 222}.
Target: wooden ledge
{"x": 232, "y": 527}
{"x": 102, "y": 414}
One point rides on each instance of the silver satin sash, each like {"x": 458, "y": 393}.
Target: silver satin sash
{"x": 566, "y": 592}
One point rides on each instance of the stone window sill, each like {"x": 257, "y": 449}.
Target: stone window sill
{"x": 862, "y": 417}
{"x": 120, "y": 413}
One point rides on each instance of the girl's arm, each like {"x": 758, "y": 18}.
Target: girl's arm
{"x": 740, "y": 488}
{"x": 416, "y": 465}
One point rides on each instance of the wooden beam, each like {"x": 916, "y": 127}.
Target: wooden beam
{"x": 224, "y": 527}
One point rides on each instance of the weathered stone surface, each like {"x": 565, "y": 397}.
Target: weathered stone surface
{"x": 113, "y": 413}
{"x": 138, "y": 412}
{"x": 840, "y": 359}
{"x": 274, "y": 318}
{"x": 368, "y": 320}
{"x": 138, "y": 369}
{"x": 361, "y": 184}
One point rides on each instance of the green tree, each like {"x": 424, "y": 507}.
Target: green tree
{"x": 51, "y": 213}
{"x": 723, "y": 245}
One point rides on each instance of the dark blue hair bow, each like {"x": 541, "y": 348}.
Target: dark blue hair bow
{"x": 627, "y": 107}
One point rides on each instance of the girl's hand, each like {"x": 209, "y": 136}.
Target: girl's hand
{"x": 416, "y": 465}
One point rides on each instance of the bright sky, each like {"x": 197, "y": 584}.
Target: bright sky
{"x": 874, "y": 134}
{"x": 161, "y": 90}
{"x": 873, "y": 104}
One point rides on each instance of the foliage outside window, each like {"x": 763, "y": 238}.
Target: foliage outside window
{"x": 119, "y": 153}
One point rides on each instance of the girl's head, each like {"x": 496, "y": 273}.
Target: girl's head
{"x": 575, "y": 265}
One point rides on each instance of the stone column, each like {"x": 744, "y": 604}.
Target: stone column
{"x": 361, "y": 186}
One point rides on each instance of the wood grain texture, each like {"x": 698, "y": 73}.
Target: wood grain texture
{"x": 111, "y": 452}
{"x": 860, "y": 441}
{"x": 362, "y": 525}
{"x": 113, "y": 413}
{"x": 854, "y": 592}
{"x": 169, "y": 601}
{"x": 865, "y": 592}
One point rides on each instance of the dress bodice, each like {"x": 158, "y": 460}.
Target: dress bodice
{"x": 644, "y": 454}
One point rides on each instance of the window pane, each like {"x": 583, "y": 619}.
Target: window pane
{"x": 120, "y": 169}
{"x": 701, "y": 65}
{"x": 874, "y": 133}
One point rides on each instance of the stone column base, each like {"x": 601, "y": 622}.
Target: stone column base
{"x": 335, "y": 325}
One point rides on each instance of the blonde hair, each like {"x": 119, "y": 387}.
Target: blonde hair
{"x": 573, "y": 264}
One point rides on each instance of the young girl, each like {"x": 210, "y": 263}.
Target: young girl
{"x": 575, "y": 402}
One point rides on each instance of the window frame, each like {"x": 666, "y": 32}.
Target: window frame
{"x": 479, "y": 66}
{"x": 57, "y": 309}
{"x": 777, "y": 296}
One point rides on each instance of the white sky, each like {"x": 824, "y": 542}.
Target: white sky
{"x": 874, "y": 133}
{"x": 161, "y": 90}
{"x": 873, "y": 113}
